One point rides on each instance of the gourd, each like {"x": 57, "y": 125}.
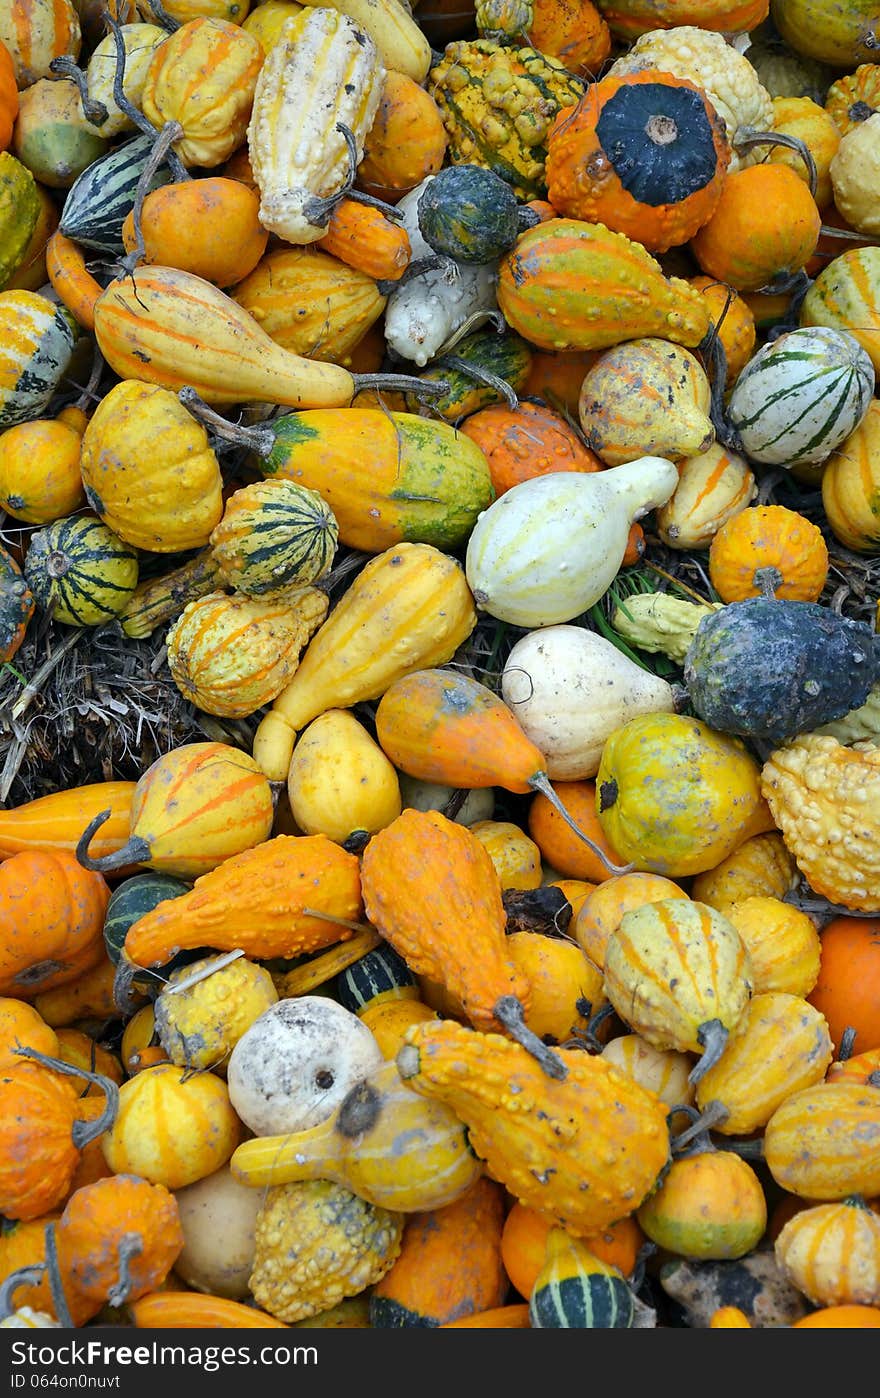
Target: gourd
{"x": 760, "y": 867}
{"x": 831, "y": 1253}
{"x": 532, "y": 1130}
{"x": 710, "y": 1205}
{"x": 449, "y": 1265}
{"x": 230, "y": 240}
{"x": 299, "y": 155}
{"x": 646, "y": 395}
{"x": 273, "y": 534}
{"x": 8, "y": 96}
{"x": 100, "y": 199}
{"x": 43, "y": 1129}
{"x": 90, "y": 996}
{"x": 292, "y": 1067}
{"x": 714, "y": 486}
{"x": 853, "y": 97}
{"x": 524, "y": 1245}
{"x": 218, "y": 1218}
{"x": 601, "y": 912}
{"x": 53, "y": 913}
{"x": 570, "y": 689}
{"x": 821, "y": 1143}
{"x": 405, "y": 143}
{"x": 205, "y": 1007}
{"x": 580, "y": 39}
{"x": 659, "y": 621}
{"x": 808, "y": 121}
{"x": 130, "y": 900}
{"x": 782, "y": 942}
{"x": 572, "y": 285}
{"x": 643, "y": 153}
{"x": 176, "y": 1310}
{"x": 769, "y": 544}
{"x": 432, "y": 305}
{"x": 82, "y": 1051}
{"x": 384, "y": 1142}
{"x": 55, "y": 489}
{"x": 676, "y": 797}
{"x": 487, "y": 367}
{"x": 844, "y": 297}
{"x": 850, "y": 478}
{"x": 340, "y": 783}
{"x": 411, "y": 590}
{"x": 733, "y": 322}
{"x": 478, "y": 804}
{"x": 19, "y": 212}
{"x": 401, "y": 43}
{"x": 52, "y": 137}
{"x": 315, "y": 971}
{"x": 230, "y": 655}
{"x": 117, "y": 1239}
{"x": 16, "y": 606}
{"x": 742, "y": 245}
{"x": 172, "y": 1127}
{"x": 800, "y": 396}
{"x": 442, "y": 726}
{"x": 193, "y": 808}
{"x": 822, "y": 797}
{"x": 678, "y": 973}
{"x": 138, "y": 43}
{"x": 470, "y": 214}
{"x": 56, "y": 821}
{"x": 316, "y": 1243}
{"x": 575, "y": 1290}
{"x": 512, "y": 562}
{"x": 840, "y": 1318}
{"x": 842, "y": 37}
{"x": 34, "y": 35}
{"x": 37, "y": 339}
{"x": 845, "y": 989}
{"x": 516, "y": 858}
{"x": 664, "y": 1071}
{"x": 780, "y": 1046}
{"x": 565, "y": 989}
{"x": 79, "y": 571}
{"x": 525, "y": 441}
{"x": 800, "y": 659}
{"x": 565, "y": 827}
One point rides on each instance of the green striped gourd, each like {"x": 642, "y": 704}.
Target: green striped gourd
{"x": 380, "y": 975}
{"x": 80, "y": 570}
{"x": 133, "y": 899}
{"x": 497, "y": 369}
{"x": 19, "y": 211}
{"x": 846, "y": 296}
{"x": 800, "y": 396}
{"x": 101, "y": 198}
{"x": 575, "y": 1290}
{"x": 274, "y": 534}
{"x": 36, "y": 342}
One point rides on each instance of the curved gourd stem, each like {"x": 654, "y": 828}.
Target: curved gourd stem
{"x": 509, "y": 1013}
{"x": 137, "y": 851}
{"x": 713, "y": 1036}
{"x": 259, "y": 440}
{"x": 162, "y": 18}
{"x": 541, "y": 782}
{"x": 847, "y": 1044}
{"x": 127, "y": 972}
{"x": 850, "y": 235}
{"x": 645, "y": 1252}
{"x": 432, "y": 262}
{"x": 56, "y": 1284}
{"x": 22, "y": 1276}
{"x": 94, "y": 112}
{"x": 402, "y": 383}
{"x": 695, "y": 1138}
{"x": 171, "y": 131}
{"x": 134, "y": 114}
{"x": 90, "y": 391}
{"x": 470, "y": 323}
{"x": 83, "y": 1131}
{"x": 748, "y": 138}
{"x": 318, "y": 209}
{"x": 130, "y": 1246}
{"x": 481, "y": 375}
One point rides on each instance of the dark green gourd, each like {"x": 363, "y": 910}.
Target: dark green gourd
{"x": 770, "y": 668}
{"x": 471, "y": 214}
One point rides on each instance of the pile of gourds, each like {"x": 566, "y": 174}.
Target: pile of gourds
{"x": 532, "y": 983}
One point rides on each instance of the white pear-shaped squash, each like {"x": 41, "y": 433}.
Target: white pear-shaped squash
{"x": 295, "y": 1064}
{"x": 550, "y": 547}
{"x": 570, "y": 690}
{"x": 218, "y": 1216}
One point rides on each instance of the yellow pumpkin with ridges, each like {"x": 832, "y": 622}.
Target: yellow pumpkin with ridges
{"x": 761, "y": 867}
{"x": 824, "y": 1143}
{"x": 783, "y": 943}
{"x": 173, "y": 1127}
{"x": 831, "y": 1253}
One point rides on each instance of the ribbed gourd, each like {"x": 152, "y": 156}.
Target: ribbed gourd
{"x": 274, "y": 534}
{"x": 498, "y": 104}
{"x": 36, "y": 343}
{"x": 575, "y": 1290}
{"x": 80, "y": 570}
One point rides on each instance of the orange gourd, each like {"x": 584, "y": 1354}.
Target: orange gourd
{"x": 524, "y": 1243}
{"x": 118, "y": 1238}
{"x": 556, "y": 378}
{"x": 573, "y": 31}
{"x": 52, "y": 914}
{"x": 406, "y": 142}
{"x": 772, "y": 545}
{"x": 449, "y": 1265}
{"x": 565, "y": 989}
{"x": 365, "y": 239}
{"x": 525, "y": 441}
{"x": 90, "y": 996}
{"x": 56, "y": 822}
{"x": 74, "y": 284}
{"x": 188, "y": 1310}
{"x": 560, "y": 847}
{"x": 847, "y": 991}
{"x": 840, "y": 1318}
{"x": 21, "y": 1026}
{"x": 512, "y": 1317}
{"x": 765, "y": 226}
{"x": 861, "y": 1068}
{"x": 80, "y": 1050}
{"x": 209, "y": 227}
{"x": 645, "y": 154}
{"x": 601, "y": 912}
{"x": 8, "y": 97}
{"x": 734, "y": 322}
{"x": 23, "y": 1244}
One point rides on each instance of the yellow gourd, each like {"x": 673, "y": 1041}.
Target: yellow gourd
{"x": 340, "y": 782}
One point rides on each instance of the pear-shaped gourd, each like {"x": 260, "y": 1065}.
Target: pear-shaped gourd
{"x": 340, "y": 783}
{"x": 549, "y": 548}
{"x": 570, "y": 689}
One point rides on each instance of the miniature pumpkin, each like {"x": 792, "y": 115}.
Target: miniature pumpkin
{"x": 745, "y": 242}
{"x": 205, "y": 1007}
{"x": 821, "y": 1143}
{"x": 526, "y": 441}
{"x": 53, "y": 918}
{"x": 208, "y": 227}
{"x": 851, "y": 482}
{"x": 17, "y": 605}
{"x": 760, "y": 867}
{"x": 710, "y": 1204}
{"x": 118, "y": 1239}
{"x": 782, "y": 941}
{"x": 846, "y": 989}
{"x": 770, "y": 537}
{"x": 575, "y": 1290}
{"x": 21, "y": 1026}
{"x": 832, "y": 1253}
{"x": 602, "y": 910}
{"x": 806, "y": 120}
{"x": 713, "y": 487}
{"x": 406, "y": 142}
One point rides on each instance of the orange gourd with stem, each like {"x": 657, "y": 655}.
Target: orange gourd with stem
{"x": 209, "y": 227}
{"x": 439, "y": 726}
{"x": 768, "y": 545}
{"x": 52, "y": 912}
{"x": 763, "y": 230}
{"x": 365, "y": 238}
{"x": 431, "y": 889}
{"x": 563, "y": 848}
{"x": 528, "y": 440}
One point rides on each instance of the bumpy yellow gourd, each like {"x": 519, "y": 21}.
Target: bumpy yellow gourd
{"x": 206, "y": 1006}
{"x": 646, "y": 396}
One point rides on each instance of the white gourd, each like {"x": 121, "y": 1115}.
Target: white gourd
{"x": 426, "y": 309}
{"x": 218, "y": 1216}
{"x": 570, "y": 690}
{"x": 550, "y": 547}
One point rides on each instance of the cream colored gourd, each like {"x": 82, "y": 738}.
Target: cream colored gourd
{"x": 550, "y": 547}
{"x": 296, "y": 1063}
{"x": 664, "y": 1071}
{"x": 570, "y": 689}
{"x": 432, "y": 796}
{"x": 340, "y": 780}
{"x": 218, "y": 1216}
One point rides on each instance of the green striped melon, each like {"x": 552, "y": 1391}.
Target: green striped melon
{"x": 36, "y": 343}
{"x": 575, "y": 1290}
{"x": 381, "y": 974}
{"x": 800, "y": 396}
{"x": 101, "y": 198}
{"x": 130, "y": 900}
{"x": 274, "y": 534}
{"x": 80, "y": 571}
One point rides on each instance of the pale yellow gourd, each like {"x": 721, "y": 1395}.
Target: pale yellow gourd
{"x": 340, "y": 782}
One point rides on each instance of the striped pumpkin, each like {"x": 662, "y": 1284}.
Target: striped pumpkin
{"x": 35, "y": 32}
{"x": 575, "y": 1290}
{"x": 173, "y": 1126}
{"x": 132, "y": 899}
{"x": 800, "y": 396}
{"x": 851, "y": 486}
{"x": 824, "y": 1143}
{"x": 831, "y": 1253}
{"x": 101, "y": 198}
{"x": 713, "y": 487}
{"x": 80, "y": 571}
{"x": 274, "y": 534}
{"x": 379, "y": 976}
{"x": 846, "y": 296}
{"x": 36, "y": 342}
{"x": 569, "y": 285}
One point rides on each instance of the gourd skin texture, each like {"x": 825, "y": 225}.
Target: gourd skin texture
{"x": 824, "y": 1143}
{"x": 340, "y": 780}
{"x": 172, "y": 1127}
{"x": 832, "y": 1253}
{"x": 710, "y": 1205}
{"x": 675, "y": 797}
{"x": 200, "y": 1025}
{"x": 52, "y": 913}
